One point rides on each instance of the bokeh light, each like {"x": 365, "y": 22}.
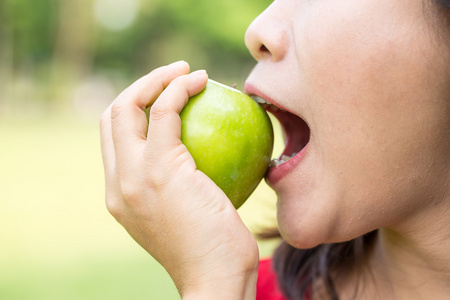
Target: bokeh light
{"x": 116, "y": 15}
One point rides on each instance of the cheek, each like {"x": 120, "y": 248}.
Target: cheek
{"x": 369, "y": 86}
{"x": 373, "y": 121}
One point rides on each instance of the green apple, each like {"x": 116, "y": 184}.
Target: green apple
{"x": 230, "y": 138}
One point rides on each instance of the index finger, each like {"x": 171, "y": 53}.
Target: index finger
{"x": 128, "y": 120}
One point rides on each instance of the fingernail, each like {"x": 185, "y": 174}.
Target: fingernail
{"x": 177, "y": 63}
{"x": 200, "y": 73}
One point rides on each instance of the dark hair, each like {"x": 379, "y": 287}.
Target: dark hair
{"x": 300, "y": 271}
{"x": 446, "y": 3}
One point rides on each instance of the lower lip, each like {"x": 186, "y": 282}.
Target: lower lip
{"x": 275, "y": 174}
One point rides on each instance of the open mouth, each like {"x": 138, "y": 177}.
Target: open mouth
{"x": 295, "y": 130}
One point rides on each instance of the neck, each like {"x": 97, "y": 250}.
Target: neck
{"x": 411, "y": 261}
{"x": 417, "y": 264}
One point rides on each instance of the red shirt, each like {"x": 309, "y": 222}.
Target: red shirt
{"x": 267, "y": 285}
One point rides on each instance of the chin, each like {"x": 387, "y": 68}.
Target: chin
{"x": 306, "y": 226}
{"x": 301, "y": 239}
{"x": 306, "y": 229}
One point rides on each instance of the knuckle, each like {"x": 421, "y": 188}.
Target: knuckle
{"x": 151, "y": 186}
{"x": 131, "y": 191}
{"x": 116, "y": 109}
{"x": 157, "y": 183}
{"x": 158, "y": 111}
{"x": 114, "y": 207}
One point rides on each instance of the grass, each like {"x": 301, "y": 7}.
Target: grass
{"x": 57, "y": 240}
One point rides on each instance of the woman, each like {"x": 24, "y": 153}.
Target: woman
{"x": 364, "y": 92}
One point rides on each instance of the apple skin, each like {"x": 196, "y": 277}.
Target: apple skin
{"x": 230, "y": 138}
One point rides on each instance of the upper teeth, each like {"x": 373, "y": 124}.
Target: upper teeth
{"x": 284, "y": 158}
{"x": 265, "y": 104}
{"x": 259, "y": 100}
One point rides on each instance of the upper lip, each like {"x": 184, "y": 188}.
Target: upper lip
{"x": 252, "y": 91}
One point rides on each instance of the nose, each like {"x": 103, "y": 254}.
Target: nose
{"x": 267, "y": 36}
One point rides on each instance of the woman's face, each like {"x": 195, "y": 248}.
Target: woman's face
{"x": 370, "y": 81}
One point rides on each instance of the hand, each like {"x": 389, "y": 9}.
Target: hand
{"x": 174, "y": 211}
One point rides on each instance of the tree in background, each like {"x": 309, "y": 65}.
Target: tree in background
{"x": 49, "y": 46}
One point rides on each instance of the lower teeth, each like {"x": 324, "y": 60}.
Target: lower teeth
{"x": 284, "y": 158}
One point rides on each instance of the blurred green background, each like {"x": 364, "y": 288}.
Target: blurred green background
{"x": 61, "y": 63}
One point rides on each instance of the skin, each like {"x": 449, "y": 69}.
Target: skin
{"x": 371, "y": 79}
{"x": 174, "y": 211}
